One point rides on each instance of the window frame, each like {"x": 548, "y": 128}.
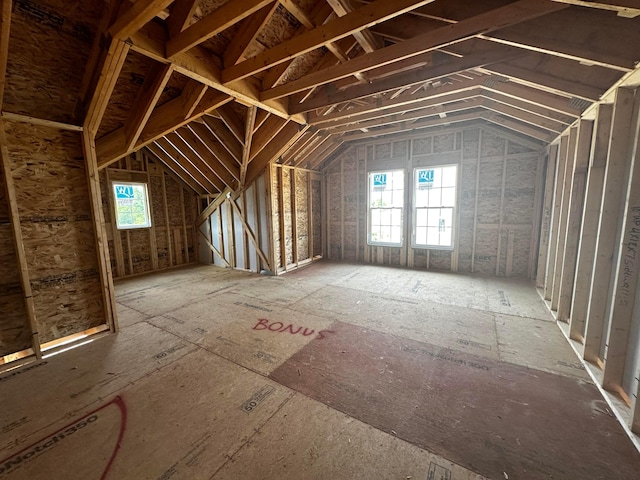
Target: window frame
{"x": 147, "y": 205}
{"x": 415, "y": 207}
{"x": 402, "y": 209}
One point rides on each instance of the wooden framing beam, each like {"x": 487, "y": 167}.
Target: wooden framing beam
{"x": 493, "y": 20}
{"x": 267, "y": 132}
{"x": 214, "y": 205}
{"x": 249, "y": 231}
{"x": 109, "y": 73}
{"x": 589, "y": 229}
{"x": 365, "y": 39}
{"x": 136, "y": 16}
{"x": 519, "y": 126}
{"x": 227, "y": 139}
{"x": 402, "y": 80}
{"x": 174, "y": 167}
{"x": 184, "y": 161}
{"x": 248, "y": 135}
{"x": 574, "y": 219}
{"x": 627, "y": 272}
{"x": 204, "y": 136}
{"x": 276, "y": 147}
{"x": 145, "y": 102}
{"x": 214, "y": 23}
{"x": 332, "y": 31}
{"x": 546, "y": 215}
{"x": 199, "y": 159}
{"x": 180, "y": 15}
{"x": 198, "y": 64}
{"x": 164, "y": 119}
{"x": 609, "y": 233}
{"x": 624, "y": 8}
{"x": 249, "y": 30}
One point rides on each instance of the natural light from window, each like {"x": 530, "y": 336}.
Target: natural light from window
{"x": 386, "y": 204}
{"x": 435, "y": 202}
{"x": 132, "y": 205}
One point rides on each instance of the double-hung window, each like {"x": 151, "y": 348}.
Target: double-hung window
{"x": 386, "y": 205}
{"x": 434, "y": 206}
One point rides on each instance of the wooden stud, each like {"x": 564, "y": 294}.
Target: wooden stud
{"x": 249, "y": 30}
{"x": 136, "y": 16}
{"x": 555, "y": 216}
{"x": 165, "y": 207}
{"x": 214, "y": 249}
{"x": 502, "y": 189}
{"x": 547, "y": 208}
{"x": 574, "y": 219}
{"x": 184, "y": 225}
{"x": 475, "y": 205}
{"x": 310, "y": 226}
{"x": 283, "y": 244}
{"x": 537, "y": 208}
{"x": 248, "y": 230}
{"x": 294, "y": 216}
{"x": 591, "y": 216}
{"x": 618, "y": 167}
{"x": 626, "y": 274}
{"x": 268, "y": 178}
{"x": 342, "y": 209}
{"x": 565, "y": 192}
{"x": 248, "y": 136}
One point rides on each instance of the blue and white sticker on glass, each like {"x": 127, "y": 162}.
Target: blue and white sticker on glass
{"x": 380, "y": 180}
{"x": 124, "y": 191}
{"x": 425, "y": 177}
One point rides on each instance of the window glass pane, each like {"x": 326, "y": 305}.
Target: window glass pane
{"x": 433, "y": 236}
{"x": 131, "y": 204}
{"x": 445, "y": 237}
{"x": 449, "y": 196}
{"x": 449, "y": 176}
{"x": 435, "y": 193}
{"x": 435, "y": 197}
{"x": 421, "y": 217}
{"x": 386, "y": 201}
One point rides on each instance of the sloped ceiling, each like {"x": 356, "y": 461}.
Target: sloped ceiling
{"x": 218, "y": 89}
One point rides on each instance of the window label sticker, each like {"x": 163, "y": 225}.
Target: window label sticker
{"x": 380, "y": 180}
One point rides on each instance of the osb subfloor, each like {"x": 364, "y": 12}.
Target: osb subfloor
{"x": 335, "y": 371}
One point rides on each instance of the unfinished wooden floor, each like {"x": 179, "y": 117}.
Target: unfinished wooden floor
{"x": 335, "y": 371}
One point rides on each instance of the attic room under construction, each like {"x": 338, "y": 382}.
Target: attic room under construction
{"x": 319, "y": 239}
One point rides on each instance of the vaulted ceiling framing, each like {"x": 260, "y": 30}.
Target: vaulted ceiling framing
{"x": 218, "y": 89}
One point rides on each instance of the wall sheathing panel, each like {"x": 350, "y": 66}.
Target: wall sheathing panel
{"x": 48, "y": 170}
{"x": 170, "y": 239}
{"x": 15, "y": 332}
{"x": 496, "y": 207}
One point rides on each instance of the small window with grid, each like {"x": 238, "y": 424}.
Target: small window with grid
{"x": 435, "y": 193}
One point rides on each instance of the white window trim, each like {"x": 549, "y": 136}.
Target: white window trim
{"x": 414, "y": 208}
{"x": 147, "y": 205}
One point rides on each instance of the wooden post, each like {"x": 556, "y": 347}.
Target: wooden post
{"x": 115, "y": 233}
{"x": 342, "y": 209}
{"x": 184, "y": 225}
{"x": 502, "y": 188}
{"x": 102, "y": 247}
{"x": 564, "y": 213}
{"x": 617, "y": 170}
{"x": 152, "y": 230}
{"x": 537, "y": 218}
{"x": 294, "y": 216}
{"x": 626, "y": 274}
{"x": 283, "y": 243}
{"x": 574, "y": 218}
{"x": 591, "y": 216}
{"x": 475, "y": 207}
{"x": 271, "y": 247}
{"x": 555, "y": 216}
{"x": 309, "y": 216}
{"x": 166, "y": 219}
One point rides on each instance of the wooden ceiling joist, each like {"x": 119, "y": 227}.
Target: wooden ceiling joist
{"x": 214, "y": 23}
{"x": 218, "y": 164}
{"x": 248, "y": 137}
{"x": 179, "y": 171}
{"x": 200, "y": 135}
{"x": 137, "y": 15}
{"x": 511, "y": 14}
{"x": 222, "y": 134}
{"x": 332, "y": 31}
{"x": 249, "y": 30}
{"x": 211, "y": 184}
